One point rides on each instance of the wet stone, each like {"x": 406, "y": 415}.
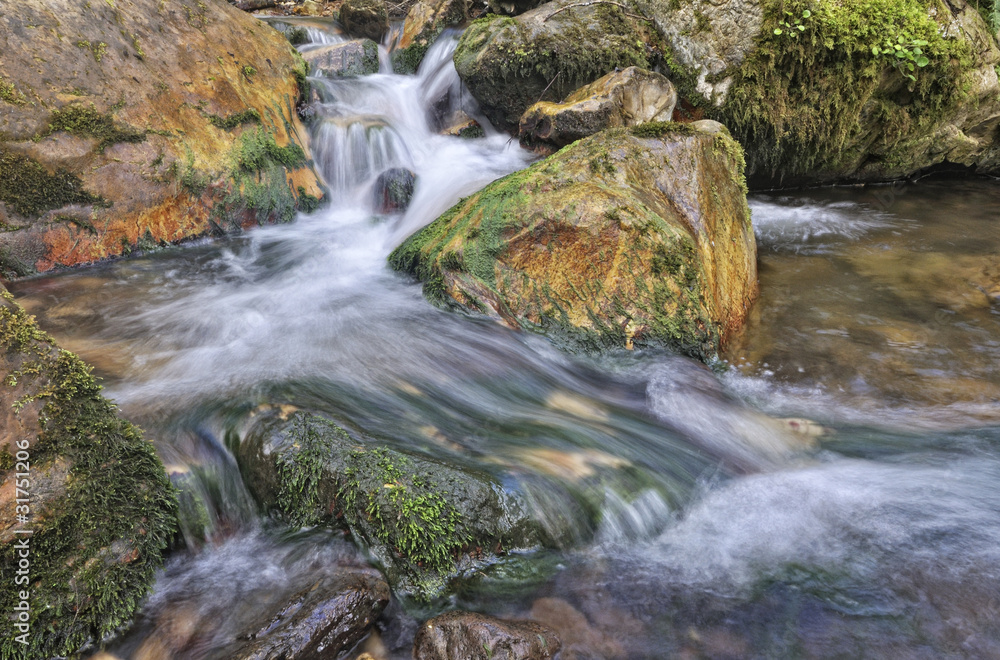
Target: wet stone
{"x": 393, "y": 190}
{"x": 350, "y": 58}
{"x": 472, "y": 636}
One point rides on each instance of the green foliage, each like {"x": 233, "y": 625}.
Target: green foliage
{"x": 308, "y": 203}
{"x": 249, "y": 72}
{"x": 297, "y": 36}
{"x": 792, "y": 25}
{"x": 990, "y": 11}
{"x": 904, "y": 55}
{"x": 10, "y": 94}
{"x": 100, "y": 545}
{"x": 88, "y": 122}
{"x": 257, "y": 150}
{"x": 28, "y": 189}
{"x": 96, "y": 48}
{"x": 300, "y": 471}
{"x": 248, "y": 116}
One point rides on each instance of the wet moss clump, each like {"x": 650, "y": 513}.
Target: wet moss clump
{"x": 248, "y": 116}
{"x": 29, "y": 189}
{"x": 803, "y": 97}
{"x": 88, "y": 122}
{"x": 95, "y": 551}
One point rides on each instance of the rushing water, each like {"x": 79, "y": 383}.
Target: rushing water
{"x": 867, "y": 527}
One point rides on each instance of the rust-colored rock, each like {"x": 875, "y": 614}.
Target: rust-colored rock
{"x": 626, "y": 238}
{"x": 141, "y": 120}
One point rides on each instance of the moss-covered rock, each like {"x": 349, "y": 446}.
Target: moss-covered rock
{"x": 368, "y": 19}
{"x": 132, "y": 121}
{"x": 628, "y": 97}
{"x": 424, "y": 23}
{"x": 426, "y": 523}
{"x": 827, "y": 91}
{"x": 99, "y": 507}
{"x": 628, "y": 237}
{"x": 511, "y": 63}
{"x": 358, "y": 57}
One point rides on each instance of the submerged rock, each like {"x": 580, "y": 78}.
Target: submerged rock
{"x": 174, "y": 119}
{"x": 424, "y": 23}
{"x": 365, "y": 18}
{"x": 99, "y": 509}
{"x": 324, "y": 621}
{"x": 629, "y": 237}
{"x": 425, "y": 522}
{"x": 349, "y": 58}
{"x": 629, "y": 97}
{"x": 511, "y": 63}
{"x": 393, "y": 190}
{"x": 472, "y": 636}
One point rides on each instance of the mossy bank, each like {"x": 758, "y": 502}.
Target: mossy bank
{"x": 100, "y": 508}
{"x": 141, "y": 142}
{"x": 815, "y": 91}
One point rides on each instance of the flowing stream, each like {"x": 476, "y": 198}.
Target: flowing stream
{"x": 703, "y": 521}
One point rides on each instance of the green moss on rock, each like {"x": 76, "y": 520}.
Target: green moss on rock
{"x": 87, "y": 122}
{"x": 95, "y": 549}
{"x": 29, "y": 189}
{"x": 248, "y": 116}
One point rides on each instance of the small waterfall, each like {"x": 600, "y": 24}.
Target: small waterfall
{"x": 352, "y": 152}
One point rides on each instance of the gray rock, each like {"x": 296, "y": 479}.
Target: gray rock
{"x": 393, "y": 190}
{"x": 350, "y": 58}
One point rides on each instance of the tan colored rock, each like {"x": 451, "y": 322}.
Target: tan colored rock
{"x": 627, "y": 97}
{"x": 424, "y": 23}
{"x": 143, "y": 119}
{"x": 472, "y": 636}
{"x": 626, "y": 238}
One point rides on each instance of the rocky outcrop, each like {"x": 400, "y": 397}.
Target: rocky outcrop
{"x": 97, "y": 507}
{"x": 424, "y": 23}
{"x": 629, "y": 97}
{"x": 629, "y": 237}
{"x": 472, "y": 636}
{"x": 425, "y": 522}
{"x": 326, "y": 620}
{"x": 349, "y": 58}
{"x": 511, "y": 63}
{"x": 813, "y": 93}
{"x": 144, "y": 120}
{"x": 827, "y": 93}
{"x": 365, "y": 18}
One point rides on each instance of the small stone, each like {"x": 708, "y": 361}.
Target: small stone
{"x": 472, "y": 636}
{"x": 393, "y": 190}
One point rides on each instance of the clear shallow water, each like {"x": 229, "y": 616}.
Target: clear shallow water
{"x": 708, "y": 528}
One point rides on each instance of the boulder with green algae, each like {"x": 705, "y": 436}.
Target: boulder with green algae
{"x": 100, "y": 509}
{"x": 424, "y": 522}
{"x": 626, "y": 238}
{"x": 123, "y": 118}
{"x": 508, "y": 64}
{"x": 628, "y": 97}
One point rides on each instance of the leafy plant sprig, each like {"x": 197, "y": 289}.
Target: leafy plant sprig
{"x": 906, "y": 55}
{"x": 793, "y": 25}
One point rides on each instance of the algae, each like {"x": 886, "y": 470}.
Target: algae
{"x": 28, "y": 189}
{"x": 88, "y": 122}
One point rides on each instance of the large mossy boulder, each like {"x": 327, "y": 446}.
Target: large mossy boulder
{"x": 424, "y": 522}
{"x": 629, "y": 237}
{"x": 368, "y": 19}
{"x": 97, "y": 505}
{"x": 815, "y": 92}
{"x": 511, "y": 63}
{"x": 138, "y": 119}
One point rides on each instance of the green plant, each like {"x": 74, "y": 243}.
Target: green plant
{"x": 905, "y": 55}
{"x": 793, "y": 25}
{"x": 249, "y": 72}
